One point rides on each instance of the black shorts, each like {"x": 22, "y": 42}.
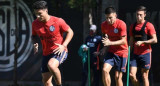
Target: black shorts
{"x": 142, "y": 61}
{"x": 118, "y": 62}
{"x": 61, "y": 59}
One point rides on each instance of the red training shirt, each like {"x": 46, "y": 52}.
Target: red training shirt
{"x": 50, "y": 32}
{"x": 149, "y": 30}
{"x": 114, "y": 32}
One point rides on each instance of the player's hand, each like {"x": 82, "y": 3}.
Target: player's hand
{"x": 105, "y": 36}
{"x": 59, "y": 49}
{"x": 96, "y": 53}
{"x": 138, "y": 43}
{"x": 35, "y": 48}
{"x": 106, "y": 41}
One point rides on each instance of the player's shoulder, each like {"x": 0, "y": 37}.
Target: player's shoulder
{"x": 56, "y": 19}
{"x": 149, "y": 24}
{"x": 120, "y": 24}
{"x": 120, "y": 21}
{"x": 104, "y": 23}
{"x": 36, "y": 23}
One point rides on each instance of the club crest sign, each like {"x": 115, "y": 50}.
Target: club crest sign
{"x": 8, "y": 35}
{"x": 52, "y": 28}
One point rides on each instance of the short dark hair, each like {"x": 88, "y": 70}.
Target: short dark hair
{"x": 110, "y": 10}
{"x": 141, "y": 8}
{"x": 40, "y": 5}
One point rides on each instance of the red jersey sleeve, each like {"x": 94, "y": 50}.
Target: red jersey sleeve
{"x": 63, "y": 25}
{"x": 131, "y": 30}
{"x": 123, "y": 29}
{"x": 150, "y": 29}
{"x": 33, "y": 29}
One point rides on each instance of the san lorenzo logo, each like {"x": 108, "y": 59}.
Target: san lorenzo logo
{"x": 8, "y": 35}
{"x": 115, "y": 30}
{"x": 52, "y": 28}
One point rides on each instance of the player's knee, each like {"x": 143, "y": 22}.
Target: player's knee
{"x": 118, "y": 77}
{"x": 51, "y": 66}
{"x": 105, "y": 71}
{"x": 46, "y": 82}
{"x": 132, "y": 76}
{"x": 144, "y": 75}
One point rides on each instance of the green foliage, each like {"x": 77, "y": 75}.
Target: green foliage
{"x": 75, "y": 3}
{"x": 79, "y": 3}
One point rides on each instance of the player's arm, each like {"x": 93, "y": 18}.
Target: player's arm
{"x": 68, "y": 37}
{"x": 107, "y": 42}
{"x": 34, "y": 39}
{"x": 64, "y": 28}
{"x": 104, "y": 49}
{"x": 153, "y": 40}
{"x": 121, "y": 41}
{"x": 64, "y": 45}
{"x": 35, "y": 43}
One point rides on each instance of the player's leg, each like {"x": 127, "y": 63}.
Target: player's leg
{"x": 118, "y": 78}
{"x": 133, "y": 70}
{"x": 107, "y": 66}
{"x": 46, "y": 75}
{"x": 134, "y": 80}
{"x": 120, "y": 67}
{"x": 150, "y": 77}
{"x": 145, "y": 73}
{"x": 47, "y": 79}
{"x": 105, "y": 74}
{"x": 146, "y": 60}
{"x": 53, "y": 67}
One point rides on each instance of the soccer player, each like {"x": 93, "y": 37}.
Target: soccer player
{"x": 142, "y": 34}
{"x": 50, "y": 30}
{"x": 116, "y": 41}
